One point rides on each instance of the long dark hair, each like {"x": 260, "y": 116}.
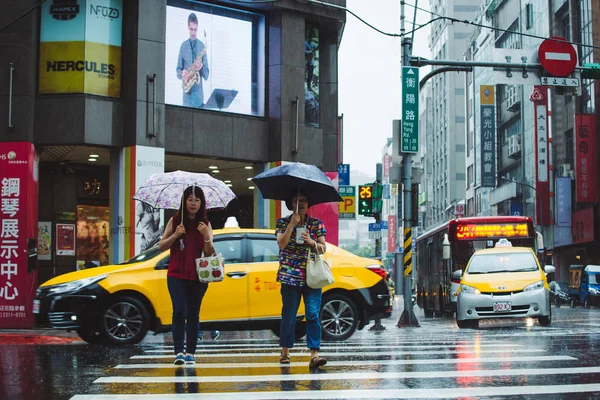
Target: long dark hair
{"x": 200, "y": 215}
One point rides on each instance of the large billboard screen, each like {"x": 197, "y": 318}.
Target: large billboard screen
{"x": 80, "y": 47}
{"x": 214, "y": 58}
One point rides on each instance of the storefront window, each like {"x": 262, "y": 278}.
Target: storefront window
{"x": 92, "y": 236}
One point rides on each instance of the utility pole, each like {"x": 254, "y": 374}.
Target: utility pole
{"x": 408, "y": 317}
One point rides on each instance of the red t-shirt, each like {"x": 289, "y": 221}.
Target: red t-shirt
{"x": 182, "y": 264}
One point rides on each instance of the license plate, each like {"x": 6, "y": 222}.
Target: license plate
{"x": 36, "y": 306}
{"x": 504, "y": 306}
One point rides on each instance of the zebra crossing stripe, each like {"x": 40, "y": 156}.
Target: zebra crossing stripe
{"x": 444, "y": 393}
{"x": 338, "y": 348}
{"x": 351, "y": 376}
{"x": 350, "y": 363}
{"x": 343, "y": 354}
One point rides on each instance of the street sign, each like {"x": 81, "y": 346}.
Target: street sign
{"x": 516, "y": 76}
{"x": 550, "y": 81}
{"x": 410, "y": 110}
{"x": 374, "y": 230}
{"x": 558, "y": 58}
{"x": 344, "y": 174}
{"x": 347, "y": 207}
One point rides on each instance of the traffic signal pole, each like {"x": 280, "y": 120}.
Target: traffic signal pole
{"x": 408, "y": 317}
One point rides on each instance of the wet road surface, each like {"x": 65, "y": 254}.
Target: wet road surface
{"x": 508, "y": 359}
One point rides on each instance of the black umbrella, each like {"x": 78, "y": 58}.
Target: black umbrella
{"x": 283, "y": 182}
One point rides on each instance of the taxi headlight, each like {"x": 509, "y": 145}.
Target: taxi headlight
{"x": 593, "y": 291}
{"x": 534, "y": 286}
{"x": 469, "y": 289}
{"x": 75, "y": 285}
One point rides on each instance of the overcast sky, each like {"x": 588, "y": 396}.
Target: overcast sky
{"x": 369, "y": 76}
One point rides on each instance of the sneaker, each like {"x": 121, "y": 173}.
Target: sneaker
{"x": 189, "y": 359}
{"x": 215, "y": 335}
{"x": 200, "y": 337}
{"x": 179, "y": 359}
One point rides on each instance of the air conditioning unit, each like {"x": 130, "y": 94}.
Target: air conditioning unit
{"x": 565, "y": 171}
{"x": 514, "y": 146}
{"x": 513, "y": 99}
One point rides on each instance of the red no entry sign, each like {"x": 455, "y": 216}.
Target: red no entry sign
{"x": 558, "y": 58}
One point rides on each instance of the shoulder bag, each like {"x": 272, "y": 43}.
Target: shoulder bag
{"x": 210, "y": 269}
{"x": 318, "y": 271}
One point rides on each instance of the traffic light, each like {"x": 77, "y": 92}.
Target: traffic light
{"x": 590, "y": 71}
{"x": 377, "y": 195}
{"x": 365, "y": 200}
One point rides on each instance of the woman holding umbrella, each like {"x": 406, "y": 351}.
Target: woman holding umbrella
{"x": 296, "y": 234}
{"x": 188, "y": 235}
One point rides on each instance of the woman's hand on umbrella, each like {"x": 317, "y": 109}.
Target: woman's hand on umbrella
{"x": 307, "y": 239}
{"x": 296, "y": 219}
{"x": 180, "y": 230}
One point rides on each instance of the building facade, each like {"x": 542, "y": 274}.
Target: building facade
{"x": 107, "y": 92}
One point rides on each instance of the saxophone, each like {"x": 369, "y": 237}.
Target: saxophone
{"x": 193, "y": 74}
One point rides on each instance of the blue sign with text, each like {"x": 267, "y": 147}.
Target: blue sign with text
{"x": 344, "y": 174}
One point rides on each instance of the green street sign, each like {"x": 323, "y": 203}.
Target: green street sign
{"x": 410, "y": 110}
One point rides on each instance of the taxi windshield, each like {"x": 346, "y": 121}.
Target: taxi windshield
{"x": 504, "y": 262}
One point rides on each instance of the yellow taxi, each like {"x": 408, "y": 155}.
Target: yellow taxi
{"x": 119, "y": 304}
{"x": 503, "y": 282}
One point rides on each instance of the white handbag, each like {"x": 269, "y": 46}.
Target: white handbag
{"x": 318, "y": 271}
{"x": 210, "y": 269}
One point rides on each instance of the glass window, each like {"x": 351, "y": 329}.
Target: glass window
{"x": 505, "y": 262}
{"x": 264, "y": 250}
{"x": 93, "y": 230}
{"x": 145, "y": 255}
{"x": 231, "y": 249}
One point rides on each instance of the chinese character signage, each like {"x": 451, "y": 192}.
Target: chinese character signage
{"x": 410, "y": 110}
{"x": 488, "y": 136}
{"x": 541, "y": 136}
{"x": 563, "y": 201}
{"x": 542, "y": 183}
{"x": 583, "y": 226}
{"x": 65, "y": 239}
{"x": 344, "y": 174}
{"x": 387, "y": 160}
{"x": 347, "y": 207}
{"x": 18, "y": 234}
{"x": 392, "y": 231}
{"x": 586, "y": 155}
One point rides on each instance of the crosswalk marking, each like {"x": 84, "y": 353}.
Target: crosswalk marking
{"x": 350, "y": 376}
{"x": 380, "y": 347}
{"x": 487, "y": 391}
{"x": 363, "y": 363}
{"x": 343, "y": 354}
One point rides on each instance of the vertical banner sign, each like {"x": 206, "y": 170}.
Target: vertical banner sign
{"x": 392, "y": 231}
{"x": 44, "y": 240}
{"x": 80, "y": 47}
{"x": 386, "y": 165}
{"x": 18, "y": 234}
{"x": 586, "y": 154}
{"x": 410, "y": 110}
{"x": 488, "y": 136}
{"x": 563, "y": 201}
{"x": 347, "y": 207}
{"x": 583, "y": 225}
{"x": 311, "y": 75}
{"x": 65, "y": 239}
{"x": 344, "y": 174}
{"x": 540, "y": 99}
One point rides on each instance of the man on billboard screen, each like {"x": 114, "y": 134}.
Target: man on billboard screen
{"x": 192, "y": 66}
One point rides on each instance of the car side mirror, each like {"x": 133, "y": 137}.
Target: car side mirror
{"x": 548, "y": 269}
{"x": 457, "y": 274}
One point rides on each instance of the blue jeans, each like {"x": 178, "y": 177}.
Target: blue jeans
{"x": 186, "y": 297}
{"x": 290, "y": 296}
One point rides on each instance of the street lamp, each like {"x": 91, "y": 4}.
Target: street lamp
{"x": 537, "y": 197}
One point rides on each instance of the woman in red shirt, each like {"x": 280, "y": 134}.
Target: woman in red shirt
{"x": 188, "y": 236}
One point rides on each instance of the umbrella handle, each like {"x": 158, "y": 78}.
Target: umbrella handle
{"x": 181, "y": 219}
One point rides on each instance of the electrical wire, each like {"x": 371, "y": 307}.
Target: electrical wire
{"x": 22, "y": 16}
{"x": 467, "y": 22}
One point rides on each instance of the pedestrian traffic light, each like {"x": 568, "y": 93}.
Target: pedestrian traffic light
{"x": 365, "y": 200}
{"x": 377, "y": 195}
{"x": 590, "y": 71}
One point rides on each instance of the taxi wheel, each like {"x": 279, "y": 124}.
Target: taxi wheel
{"x": 125, "y": 321}
{"x": 339, "y": 317}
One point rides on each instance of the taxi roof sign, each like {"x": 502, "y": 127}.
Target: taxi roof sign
{"x": 503, "y": 243}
